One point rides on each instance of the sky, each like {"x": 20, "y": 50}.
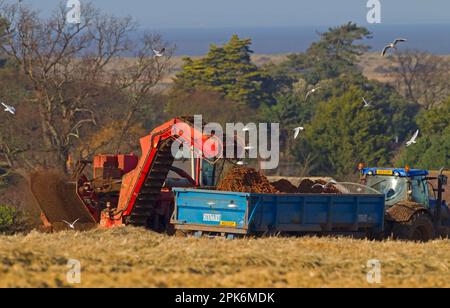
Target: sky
{"x": 166, "y": 14}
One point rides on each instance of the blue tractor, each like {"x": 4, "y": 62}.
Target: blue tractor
{"x": 415, "y": 209}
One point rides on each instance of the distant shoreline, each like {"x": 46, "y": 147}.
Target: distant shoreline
{"x": 434, "y": 38}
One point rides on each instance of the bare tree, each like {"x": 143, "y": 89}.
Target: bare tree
{"x": 136, "y": 80}
{"x": 68, "y": 66}
{"x": 421, "y": 77}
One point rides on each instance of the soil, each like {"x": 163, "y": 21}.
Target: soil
{"x": 285, "y": 186}
{"x": 19, "y": 196}
{"x": 246, "y": 180}
{"x": 307, "y": 187}
{"x": 58, "y": 201}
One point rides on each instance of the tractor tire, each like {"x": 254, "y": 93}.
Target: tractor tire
{"x": 443, "y": 232}
{"x": 419, "y": 229}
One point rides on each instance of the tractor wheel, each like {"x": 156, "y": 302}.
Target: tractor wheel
{"x": 419, "y": 229}
{"x": 443, "y": 232}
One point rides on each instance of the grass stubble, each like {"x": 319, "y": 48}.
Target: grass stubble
{"x": 134, "y": 257}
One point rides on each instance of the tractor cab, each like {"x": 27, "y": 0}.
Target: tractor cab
{"x": 399, "y": 184}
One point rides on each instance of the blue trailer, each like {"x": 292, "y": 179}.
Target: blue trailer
{"x": 233, "y": 213}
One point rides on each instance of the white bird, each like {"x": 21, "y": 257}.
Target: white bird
{"x": 297, "y": 131}
{"x": 366, "y": 103}
{"x": 71, "y": 225}
{"x": 312, "y": 91}
{"x": 9, "y": 109}
{"x": 159, "y": 53}
{"x": 392, "y": 45}
{"x": 323, "y": 186}
{"x": 413, "y": 139}
{"x": 241, "y": 163}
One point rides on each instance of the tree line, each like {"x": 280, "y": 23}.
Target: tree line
{"x": 340, "y": 131}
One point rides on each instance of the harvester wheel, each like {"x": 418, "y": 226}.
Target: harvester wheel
{"x": 419, "y": 228}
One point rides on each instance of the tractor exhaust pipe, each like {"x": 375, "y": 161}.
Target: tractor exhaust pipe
{"x": 442, "y": 181}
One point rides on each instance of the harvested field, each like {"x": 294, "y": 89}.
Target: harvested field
{"x": 132, "y": 257}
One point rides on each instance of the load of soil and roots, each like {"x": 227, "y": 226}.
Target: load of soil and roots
{"x": 308, "y": 186}
{"x": 251, "y": 181}
{"x": 246, "y": 180}
{"x": 285, "y": 186}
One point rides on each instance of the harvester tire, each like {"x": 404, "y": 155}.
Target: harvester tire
{"x": 419, "y": 228}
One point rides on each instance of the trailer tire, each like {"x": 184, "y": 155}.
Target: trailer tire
{"x": 419, "y": 228}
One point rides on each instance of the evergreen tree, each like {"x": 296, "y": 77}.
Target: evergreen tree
{"x": 432, "y": 150}
{"x": 343, "y": 132}
{"x": 228, "y": 70}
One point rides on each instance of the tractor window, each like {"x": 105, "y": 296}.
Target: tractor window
{"x": 420, "y": 190}
{"x": 394, "y": 188}
{"x": 208, "y": 173}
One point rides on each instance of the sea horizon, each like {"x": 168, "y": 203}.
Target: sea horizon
{"x": 434, "y": 38}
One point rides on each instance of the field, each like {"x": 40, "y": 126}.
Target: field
{"x": 372, "y": 64}
{"x": 132, "y": 257}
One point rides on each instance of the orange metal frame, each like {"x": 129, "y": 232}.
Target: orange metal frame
{"x": 133, "y": 181}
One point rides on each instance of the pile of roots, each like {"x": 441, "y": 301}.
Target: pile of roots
{"x": 251, "y": 181}
{"x": 246, "y": 180}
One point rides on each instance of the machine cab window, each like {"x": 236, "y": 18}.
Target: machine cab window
{"x": 419, "y": 189}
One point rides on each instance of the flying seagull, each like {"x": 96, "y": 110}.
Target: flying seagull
{"x": 9, "y": 109}
{"x": 159, "y": 53}
{"x": 392, "y": 45}
{"x": 366, "y": 103}
{"x": 332, "y": 182}
{"x": 310, "y": 92}
{"x": 71, "y": 225}
{"x": 297, "y": 131}
{"x": 413, "y": 139}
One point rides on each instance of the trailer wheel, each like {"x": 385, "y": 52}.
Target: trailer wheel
{"x": 419, "y": 228}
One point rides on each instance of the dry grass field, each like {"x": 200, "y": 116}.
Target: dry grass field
{"x": 372, "y": 64}
{"x": 131, "y": 257}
